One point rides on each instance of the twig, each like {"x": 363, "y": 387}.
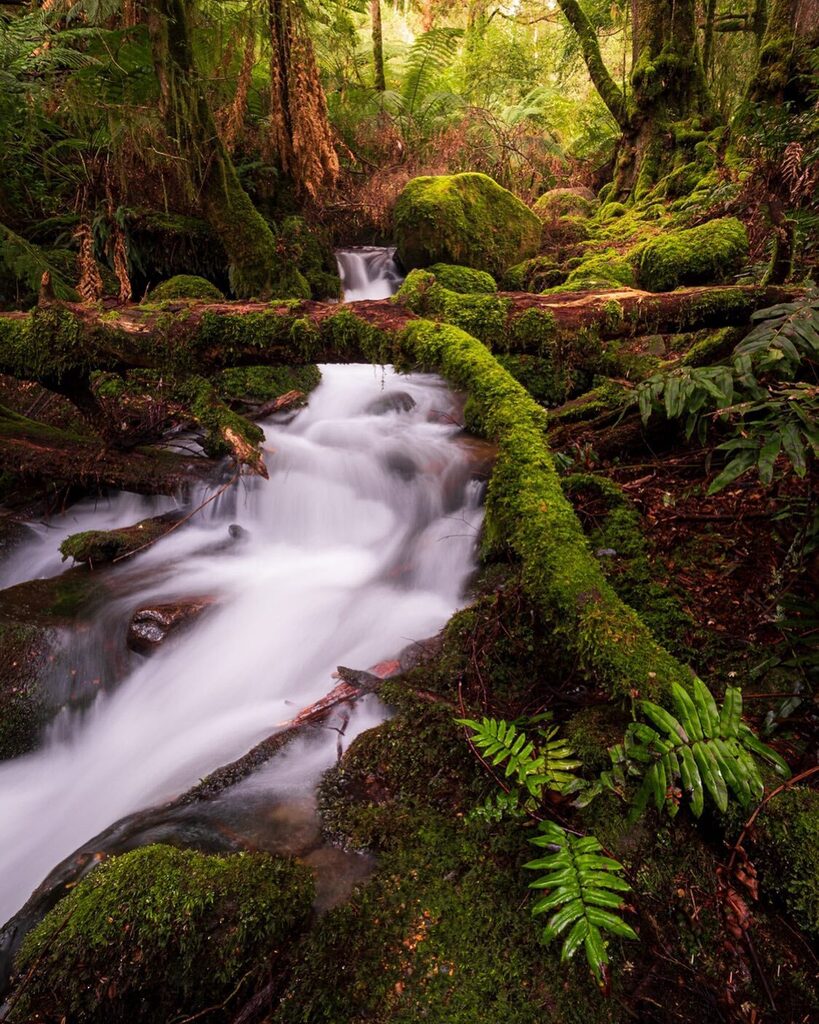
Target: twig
{"x": 184, "y": 519}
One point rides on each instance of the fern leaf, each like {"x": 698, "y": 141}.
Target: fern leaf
{"x": 586, "y": 890}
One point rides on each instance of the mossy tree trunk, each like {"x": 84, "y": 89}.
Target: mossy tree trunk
{"x": 785, "y": 73}
{"x": 379, "y": 78}
{"x": 667, "y": 86}
{"x": 248, "y": 240}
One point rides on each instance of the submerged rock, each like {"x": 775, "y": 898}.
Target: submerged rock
{"x": 150, "y": 626}
{"x": 391, "y": 401}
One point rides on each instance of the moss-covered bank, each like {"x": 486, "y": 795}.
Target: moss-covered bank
{"x": 171, "y": 932}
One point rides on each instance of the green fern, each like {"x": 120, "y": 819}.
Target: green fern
{"x": 585, "y": 891}
{"x": 28, "y": 263}
{"x": 548, "y": 765}
{"x": 703, "y": 750}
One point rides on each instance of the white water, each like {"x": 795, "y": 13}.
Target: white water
{"x": 360, "y": 543}
{"x": 368, "y": 272}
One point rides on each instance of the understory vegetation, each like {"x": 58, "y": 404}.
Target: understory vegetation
{"x": 595, "y": 799}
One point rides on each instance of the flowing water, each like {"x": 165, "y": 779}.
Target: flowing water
{"x": 368, "y": 272}
{"x": 359, "y": 544}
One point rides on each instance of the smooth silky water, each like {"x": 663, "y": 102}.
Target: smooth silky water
{"x": 361, "y": 543}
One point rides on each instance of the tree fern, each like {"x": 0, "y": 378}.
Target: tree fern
{"x": 703, "y": 750}
{"x": 431, "y": 54}
{"x": 585, "y": 890}
{"x": 545, "y": 765}
{"x": 28, "y": 263}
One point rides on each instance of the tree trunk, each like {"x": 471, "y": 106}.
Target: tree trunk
{"x": 248, "y": 241}
{"x": 668, "y": 87}
{"x": 379, "y": 79}
{"x": 785, "y": 73}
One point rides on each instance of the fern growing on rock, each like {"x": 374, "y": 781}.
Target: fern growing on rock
{"x": 585, "y": 890}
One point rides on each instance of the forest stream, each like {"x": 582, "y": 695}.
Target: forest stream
{"x": 358, "y": 546}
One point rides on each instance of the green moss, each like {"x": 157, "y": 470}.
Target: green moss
{"x": 221, "y": 425}
{"x": 481, "y": 315}
{"x": 186, "y": 286}
{"x": 463, "y": 280}
{"x": 24, "y": 650}
{"x": 606, "y": 266}
{"x": 611, "y": 211}
{"x": 97, "y": 547}
{"x": 563, "y": 202}
{"x": 786, "y": 853}
{"x": 310, "y": 250}
{"x": 708, "y": 253}
{"x": 465, "y": 219}
{"x": 264, "y": 383}
{"x": 165, "y": 929}
{"x": 533, "y": 275}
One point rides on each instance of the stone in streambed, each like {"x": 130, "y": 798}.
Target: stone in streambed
{"x": 391, "y": 401}
{"x": 150, "y": 626}
{"x": 97, "y": 547}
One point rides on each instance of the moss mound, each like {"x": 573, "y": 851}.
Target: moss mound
{"x": 563, "y": 202}
{"x": 533, "y": 275}
{"x": 186, "y": 286}
{"x": 466, "y": 219}
{"x": 464, "y": 280}
{"x": 170, "y": 930}
{"x": 605, "y": 268}
{"x": 711, "y": 252}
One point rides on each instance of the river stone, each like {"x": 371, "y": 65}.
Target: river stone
{"x": 391, "y": 401}
{"x": 150, "y": 626}
{"x": 401, "y": 465}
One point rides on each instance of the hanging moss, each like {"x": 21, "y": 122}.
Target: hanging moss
{"x": 710, "y": 252}
{"x": 170, "y": 930}
{"x": 465, "y": 219}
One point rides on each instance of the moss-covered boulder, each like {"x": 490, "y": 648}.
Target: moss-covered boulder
{"x": 186, "y": 286}
{"x": 463, "y": 280}
{"x": 605, "y": 268}
{"x": 706, "y": 254}
{"x": 162, "y": 934}
{"x": 466, "y": 219}
{"x": 533, "y": 275}
{"x": 564, "y": 202}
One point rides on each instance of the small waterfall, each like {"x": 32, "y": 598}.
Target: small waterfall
{"x": 368, "y": 272}
{"x": 359, "y": 544}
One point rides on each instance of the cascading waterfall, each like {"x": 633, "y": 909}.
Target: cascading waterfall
{"x": 368, "y": 272}
{"x": 359, "y": 544}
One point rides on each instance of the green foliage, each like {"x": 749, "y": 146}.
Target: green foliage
{"x": 170, "y": 929}
{"x": 784, "y": 336}
{"x": 702, "y": 750}
{"x": 26, "y": 263}
{"x": 536, "y": 765}
{"x": 585, "y": 890}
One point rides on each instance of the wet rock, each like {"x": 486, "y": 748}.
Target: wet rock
{"x": 12, "y": 533}
{"x": 96, "y": 547}
{"x": 481, "y": 455}
{"x": 150, "y": 626}
{"x": 401, "y": 465}
{"x": 421, "y": 652}
{"x": 391, "y": 401}
{"x": 34, "y": 620}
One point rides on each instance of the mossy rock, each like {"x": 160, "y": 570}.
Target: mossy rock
{"x": 607, "y": 266}
{"x": 533, "y": 275}
{"x": 186, "y": 286}
{"x": 96, "y": 547}
{"x": 167, "y": 931}
{"x": 564, "y": 202}
{"x": 709, "y": 253}
{"x": 786, "y": 853}
{"x": 465, "y": 219}
{"x": 464, "y": 280}
{"x": 310, "y": 251}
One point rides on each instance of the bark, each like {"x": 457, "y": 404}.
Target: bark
{"x": 248, "y": 241}
{"x": 379, "y": 79}
{"x": 708, "y": 36}
{"x": 610, "y": 92}
{"x": 785, "y": 73}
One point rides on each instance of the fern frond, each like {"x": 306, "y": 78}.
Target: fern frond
{"x": 701, "y": 750}
{"x": 547, "y": 766}
{"x": 585, "y": 890}
{"x": 28, "y": 263}
{"x": 430, "y": 55}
